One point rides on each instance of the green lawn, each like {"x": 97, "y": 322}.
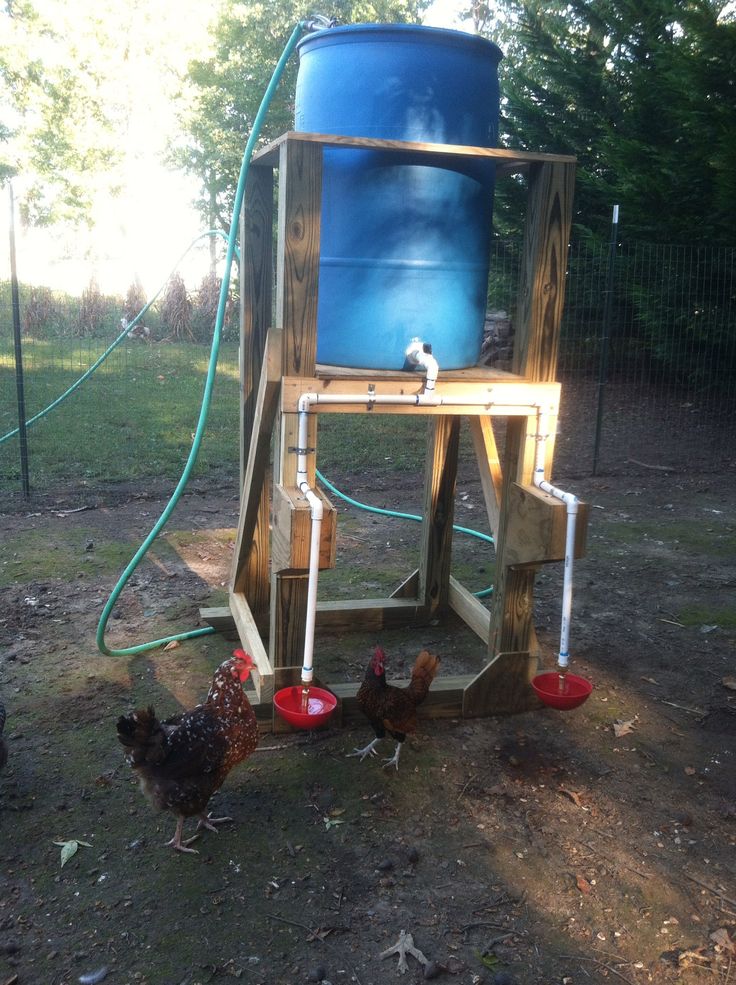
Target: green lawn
{"x": 135, "y": 416}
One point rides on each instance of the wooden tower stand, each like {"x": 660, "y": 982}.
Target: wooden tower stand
{"x": 268, "y": 586}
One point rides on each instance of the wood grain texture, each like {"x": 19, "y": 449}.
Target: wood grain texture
{"x": 504, "y": 683}
{"x": 297, "y": 271}
{"x": 435, "y": 553}
{"x": 251, "y": 535}
{"x": 489, "y": 467}
{"x": 544, "y": 265}
{"x": 256, "y": 277}
{"x": 370, "y": 615}
{"x": 288, "y": 619}
{"x": 250, "y": 639}
{"x": 503, "y": 687}
{"x": 470, "y": 609}
{"x": 537, "y": 529}
{"x": 510, "y": 397}
{"x": 269, "y": 155}
{"x": 291, "y": 534}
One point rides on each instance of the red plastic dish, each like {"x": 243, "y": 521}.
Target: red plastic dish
{"x": 320, "y": 705}
{"x": 562, "y": 691}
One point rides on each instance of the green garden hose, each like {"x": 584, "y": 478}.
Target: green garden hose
{"x": 209, "y": 382}
{"x": 484, "y": 593}
{"x": 207, "y": 395}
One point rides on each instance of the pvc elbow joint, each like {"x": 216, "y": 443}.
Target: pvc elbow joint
{"x": 313, "y": 499}
{"x": 420, "y": 354}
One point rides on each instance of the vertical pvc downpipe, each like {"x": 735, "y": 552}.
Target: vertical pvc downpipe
{"x": 571, "y": 502}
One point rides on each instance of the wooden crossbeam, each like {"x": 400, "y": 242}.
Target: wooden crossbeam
{"x": 254, "y": 487}
{"x": 510, "y": 397}
{"x": 489, "y": 467}
{"x": 250, "y": 637}
{"x": 512, "y": 160}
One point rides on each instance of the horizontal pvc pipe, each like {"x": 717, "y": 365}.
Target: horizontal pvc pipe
{"x": 427, "y": 398}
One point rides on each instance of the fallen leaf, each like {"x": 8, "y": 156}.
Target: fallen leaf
{"x": 623, "y": 728}
{"x": 721, "y": 938}
{"x": 583, "y": 884}
{"x": 730, "y": 683}
{"x": 489, "y": 960}
{"x": 574, "y": 797}
{"x": 172, "y": 645}
{"x": 70, "y": 848}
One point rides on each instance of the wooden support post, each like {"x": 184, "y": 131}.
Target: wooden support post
{"x": 439, "y": 509}
{"x": 256, "y": 274}
{"x": 512, "y": 639}
{"x": 300, "y": 201}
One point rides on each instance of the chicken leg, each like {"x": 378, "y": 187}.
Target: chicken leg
{"x": 177, "y": 844}
{"x": 369, "y": 750}
{"x": 394, "y": 761}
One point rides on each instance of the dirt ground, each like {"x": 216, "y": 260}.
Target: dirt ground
{"x": 548, "y": 847}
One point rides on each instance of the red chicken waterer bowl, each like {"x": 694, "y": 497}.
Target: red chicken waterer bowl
{"x": 289, "y": 703}
{"x": 561, "y": 691}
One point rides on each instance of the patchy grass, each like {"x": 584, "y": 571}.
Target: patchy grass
{"x": 701, "y": 615}
{"x": 31, "y": 556}
{"x": 715, "y": 537}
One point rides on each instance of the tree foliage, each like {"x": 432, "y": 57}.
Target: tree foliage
{"x": 225, "y": 90}
{"x": 57, "y": 117}
{"x": 643, "y": 93}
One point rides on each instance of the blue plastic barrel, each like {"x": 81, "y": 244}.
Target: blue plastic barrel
{"x": 404, "y": 245}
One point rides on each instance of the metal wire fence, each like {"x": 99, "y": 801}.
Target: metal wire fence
{"x": 647, "y": 363}
{"x": 647, "y": 355}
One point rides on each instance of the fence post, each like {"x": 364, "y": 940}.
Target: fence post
{"x": 605, "y": 337}
{"x": 19, "y": 385}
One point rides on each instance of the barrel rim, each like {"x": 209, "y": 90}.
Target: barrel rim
{"x": 430, "y": 34}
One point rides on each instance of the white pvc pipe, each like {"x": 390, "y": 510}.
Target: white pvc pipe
{"x": 317, "y": 512}
{"x": 427, "y": 398}
{"x": 571, "y": 502}
{"x": 419, "y": 354}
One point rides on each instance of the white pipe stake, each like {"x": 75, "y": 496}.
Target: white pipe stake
{"x": 571, "y": 502}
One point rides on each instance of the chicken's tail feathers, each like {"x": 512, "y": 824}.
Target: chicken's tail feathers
{"x": 425, "y": 669}
{"x": 142, "y": 736}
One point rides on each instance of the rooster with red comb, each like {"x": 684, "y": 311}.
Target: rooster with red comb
{"x": 393, "y": 709}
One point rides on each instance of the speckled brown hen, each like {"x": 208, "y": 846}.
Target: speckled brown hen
{"x": 183, "y": 760}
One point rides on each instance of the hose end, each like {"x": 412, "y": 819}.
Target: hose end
{"x": 318, "y": 22}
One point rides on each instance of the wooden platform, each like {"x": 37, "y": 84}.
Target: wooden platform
{"x": 278, "y": 351}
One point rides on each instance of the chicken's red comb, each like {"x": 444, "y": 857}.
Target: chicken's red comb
{"x": 242, "y": 655}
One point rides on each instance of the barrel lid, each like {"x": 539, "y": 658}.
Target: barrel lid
{"x": 346, "y": 33}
